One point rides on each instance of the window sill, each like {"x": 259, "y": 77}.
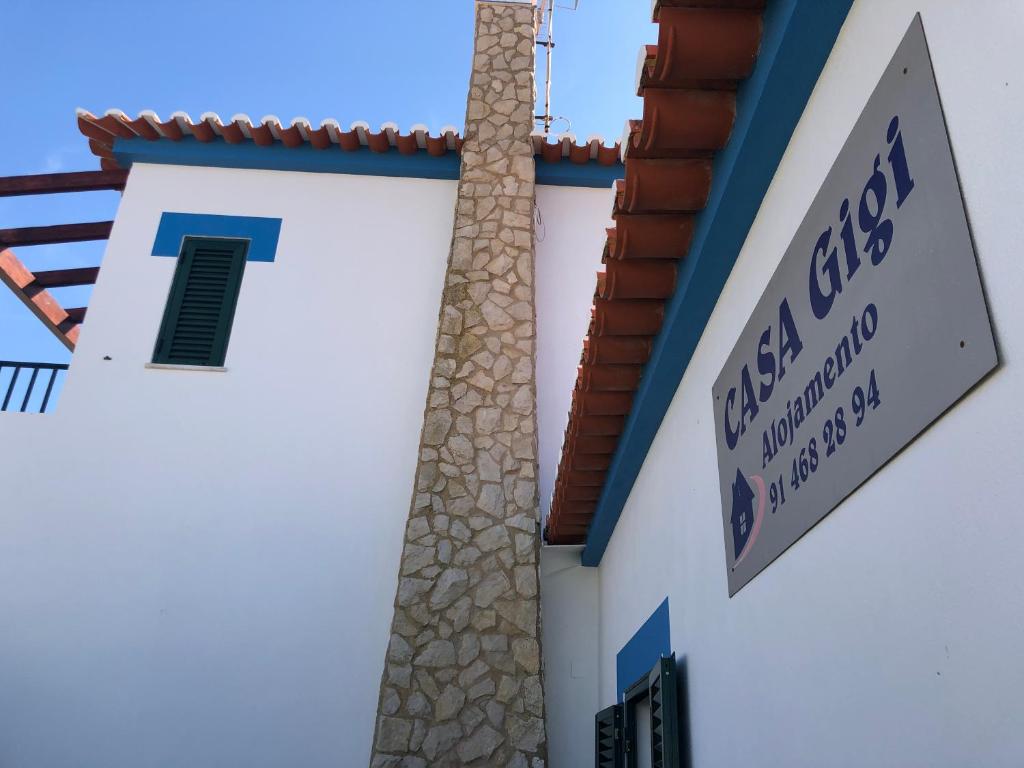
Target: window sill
{"x": 203, "y": 368}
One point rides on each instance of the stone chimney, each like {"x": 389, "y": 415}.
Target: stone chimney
{"x": 462, "y": 681}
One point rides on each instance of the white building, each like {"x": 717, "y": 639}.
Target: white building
{"x": 235, "y": 540}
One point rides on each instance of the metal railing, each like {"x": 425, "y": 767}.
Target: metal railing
{"x": 28, "y": 390}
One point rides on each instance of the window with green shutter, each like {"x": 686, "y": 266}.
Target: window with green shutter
{"x": 655, "y": 695}
{"x": 201, "y": 305}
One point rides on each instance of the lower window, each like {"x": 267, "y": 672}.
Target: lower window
{"x": 643, "y": 731}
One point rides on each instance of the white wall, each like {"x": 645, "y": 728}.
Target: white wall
{"x": 198, "y": 569}
{"x": 858, "y": 646}
{"x": 570, "y": 603}
{"x": 570, "y": 240}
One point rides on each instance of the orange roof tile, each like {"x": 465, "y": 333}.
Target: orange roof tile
{"x": 688, "y": 83}
{"x": 103, "y": 130}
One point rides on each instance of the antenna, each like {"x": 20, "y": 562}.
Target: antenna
{"x": 549, "y": 44}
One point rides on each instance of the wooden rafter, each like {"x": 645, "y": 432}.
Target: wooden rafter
{"x": 53, "y": 183}
{"x": 59, "y": 233}
{"x": 64, "y": 278}
{"x": 40, "y": 301}
{"x": 31, "y": 289}
{"x": 76, "y": 314}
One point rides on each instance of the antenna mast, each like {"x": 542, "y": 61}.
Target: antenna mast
{"x": 549, "y": 43}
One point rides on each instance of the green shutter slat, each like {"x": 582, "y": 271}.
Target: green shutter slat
{"x": 201, "y": 305}
{"x": 663, "y": 699}
{"x": 608, "y": 738}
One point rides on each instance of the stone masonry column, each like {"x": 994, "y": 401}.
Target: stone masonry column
{"x": 462, "y": 680}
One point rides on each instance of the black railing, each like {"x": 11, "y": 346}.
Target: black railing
{"x": 30, "y": 386}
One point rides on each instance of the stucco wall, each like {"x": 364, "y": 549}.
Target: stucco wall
{"x": 570, "y": 239}
{"x": 889, "y": 635}
{"x": 571, "y": 631}
{"x": 198, "y": 568}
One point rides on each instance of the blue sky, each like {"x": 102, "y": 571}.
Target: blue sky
{"x": 405, "y": 61}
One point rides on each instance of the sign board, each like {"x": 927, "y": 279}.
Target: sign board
{"x": 872, "y": 326}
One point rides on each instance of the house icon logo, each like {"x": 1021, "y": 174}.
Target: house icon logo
{"x": 747, "y": 514}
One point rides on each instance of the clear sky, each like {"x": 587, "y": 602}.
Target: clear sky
{"x": 405, "y": 61}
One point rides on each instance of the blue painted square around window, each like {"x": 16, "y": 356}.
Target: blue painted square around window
{"x": 649, "y": 643}
{"x": 261, "y": 232}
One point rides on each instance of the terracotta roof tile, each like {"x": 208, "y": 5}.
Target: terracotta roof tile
{"x": 609, "y": 378}
{"x": 662, "y": 186}
{"x": 103, "y": 130}
{"x": 701, "y": 47}
{"x": 743, "y": 5}
{"x": 648, "y": 236}
{"x": 688, "y": 83}
{"x": 626, "y": 318}
{"x": 637, "y": 279}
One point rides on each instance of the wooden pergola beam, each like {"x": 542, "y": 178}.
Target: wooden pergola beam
{"x": 76, "y": 314}
{"x": 53, "y": 183}
{"x": 39, "y": 301}
{"x": 58, "y": 233}
{"x": 64, "y": 278}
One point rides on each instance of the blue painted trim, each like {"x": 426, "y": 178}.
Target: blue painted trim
{"x": 568, "y": 174}
{"x": 798, "y": 37}
{"x": 263, "y": 233}
{"x": 652, "y": 641}
{"x": 277, "y": 157}
{"x": 362, "y": 162}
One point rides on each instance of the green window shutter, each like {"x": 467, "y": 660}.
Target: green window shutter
{"x": 664, "y": 713}
{"x": 608, "y": 738}
{"x": 201, "y": 304}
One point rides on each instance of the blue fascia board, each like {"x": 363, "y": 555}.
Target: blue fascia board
{"x": 569, "y": 174}
{"x": 798, "y": 37}
{"x": 361, "y": 162}
{"x": 262, "y": 232}
{"x": 277, "y": 157}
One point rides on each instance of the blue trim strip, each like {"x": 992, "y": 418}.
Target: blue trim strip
{"x": 362, "y": 162}
{"x": 652, "y": 641}
{"x": 277, "y": 157}
{"x": 569, "y": 174}
{"x": 798, "y": 37}
{"x": 263, "y": 233}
